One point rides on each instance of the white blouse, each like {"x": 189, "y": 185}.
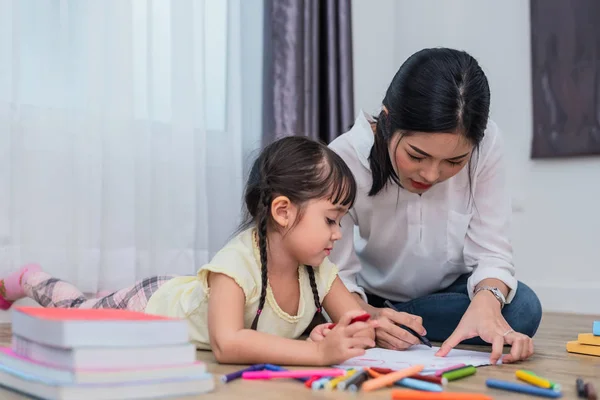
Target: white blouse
{"x": 407, "y": 245}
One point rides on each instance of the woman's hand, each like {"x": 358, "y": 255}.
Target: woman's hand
{"x": 484, "y": 318}
{"x": 345, "y": 341}
{"x": 389, "y": 335}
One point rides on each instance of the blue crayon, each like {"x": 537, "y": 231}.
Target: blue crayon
{"x": 320, "y": 383}
{"x": 238, "y": 374}
{"x": 521, "y": 388}
{"x": 418, "y": 385}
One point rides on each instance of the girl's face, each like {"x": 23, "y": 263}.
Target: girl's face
{"x": 313, "y": 236}
{"x": 422, "y": 160}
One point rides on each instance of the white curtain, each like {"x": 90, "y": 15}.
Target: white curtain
{"x": 121, "y": 151}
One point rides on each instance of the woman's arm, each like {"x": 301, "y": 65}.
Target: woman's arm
{"x": 487, "y": 243}
{"x": 233, "y": 344}
{"x": 487, "y": 246}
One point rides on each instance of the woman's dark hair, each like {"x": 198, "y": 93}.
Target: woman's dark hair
{"x": 302, "y": 170}
{"x": 435, "y": 90}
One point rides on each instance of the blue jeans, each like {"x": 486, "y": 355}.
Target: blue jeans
{"x": 442, "y": 311}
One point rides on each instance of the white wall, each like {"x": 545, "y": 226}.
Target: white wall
{"x": 556, "y": 225}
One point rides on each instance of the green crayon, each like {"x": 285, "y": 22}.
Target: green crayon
{"x": 459, "y": 373}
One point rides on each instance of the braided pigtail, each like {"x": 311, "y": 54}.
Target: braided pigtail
{"x": 313, "y": 286}
{"x": 265, "y": 205}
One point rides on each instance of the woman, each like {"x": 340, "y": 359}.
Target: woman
{"x": 433, "y": 213}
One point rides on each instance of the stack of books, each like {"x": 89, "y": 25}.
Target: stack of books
{"x": 587, "y": 343}
{"x": 63, "y": 354}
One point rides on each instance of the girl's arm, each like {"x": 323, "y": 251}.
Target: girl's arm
{"x": 233, "y": 344}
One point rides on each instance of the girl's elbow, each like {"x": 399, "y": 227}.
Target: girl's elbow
{"x": 225, "y": 351}
{"x": 221, "y": 356}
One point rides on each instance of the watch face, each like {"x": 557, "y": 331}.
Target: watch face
{"x": 499, "y": 294}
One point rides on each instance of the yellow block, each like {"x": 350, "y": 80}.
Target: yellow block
{"x": 576, "y": 347}
{"x": 589, "y": 338}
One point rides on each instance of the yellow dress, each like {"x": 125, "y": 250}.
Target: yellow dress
{"x": 187, "y": 296}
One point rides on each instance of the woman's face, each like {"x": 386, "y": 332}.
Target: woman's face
{"x": 422, "y": 160}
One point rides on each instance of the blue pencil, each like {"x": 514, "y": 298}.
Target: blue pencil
{"x": 521, "y": 388}
{"x": 320, "y": 383}
{"x": 238, "y": 374}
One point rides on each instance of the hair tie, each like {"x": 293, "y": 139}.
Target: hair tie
{"x": 258, "y": 311}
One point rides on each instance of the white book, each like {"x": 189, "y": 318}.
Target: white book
{"x": 104, "y": 357}
{"x": 51, "y": 390}
{"x": 74, "y": 327}
{"x": 8, "y": 358}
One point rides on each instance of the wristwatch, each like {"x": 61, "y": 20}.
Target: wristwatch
{"x": 496, "y": 292}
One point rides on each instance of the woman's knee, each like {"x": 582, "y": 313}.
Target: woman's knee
{"x": 524, "y": 313}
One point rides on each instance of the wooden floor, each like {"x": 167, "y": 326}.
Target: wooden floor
{"x": 551, "y": 360}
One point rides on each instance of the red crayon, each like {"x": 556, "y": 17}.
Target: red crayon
{"x": 309, "y": 382}
{"x": 431, "y": 378}
{"x": 360, "y": 318}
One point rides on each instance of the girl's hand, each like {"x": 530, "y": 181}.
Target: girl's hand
{"x": 390, "y": 336}
{"x": 342, "y": 342}
{"x": 319, "y": 332}
{"x": 484, "y": 318}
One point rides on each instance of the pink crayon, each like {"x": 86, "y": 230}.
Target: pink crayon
{"x": 302, "y": 373}
{"x": 439, "y": 372}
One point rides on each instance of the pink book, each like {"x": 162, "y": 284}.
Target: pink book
{"x": 94, "y": 314}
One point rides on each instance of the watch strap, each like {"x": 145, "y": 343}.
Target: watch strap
{"x": 496, "y": 292}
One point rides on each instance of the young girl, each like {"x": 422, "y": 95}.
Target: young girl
{"x": 265, "y": 286}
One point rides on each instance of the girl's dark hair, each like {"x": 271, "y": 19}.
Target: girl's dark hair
{"x": 302, "y": 170}
{"x": 435, "y": 90}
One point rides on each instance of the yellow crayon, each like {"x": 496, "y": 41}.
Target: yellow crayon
{"x": 553, "y": 385}
{"x": 332, "y": 384}
{"x": 533, "y": 379}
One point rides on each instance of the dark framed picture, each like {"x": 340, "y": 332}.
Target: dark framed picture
{"x": 565, "y": 46}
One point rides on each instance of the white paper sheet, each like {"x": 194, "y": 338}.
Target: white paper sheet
{"x": 421, "y": 354}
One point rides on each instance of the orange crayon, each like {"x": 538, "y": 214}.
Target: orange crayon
{"x": 389, "y": 379}
{"x": 417, "y": 395}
